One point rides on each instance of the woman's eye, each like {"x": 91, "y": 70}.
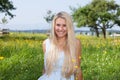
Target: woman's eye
{"x": 58, "y": 24}
{"x": 64, "y": 25}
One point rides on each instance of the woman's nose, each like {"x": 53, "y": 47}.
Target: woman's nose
{"x": 60, "y": 28}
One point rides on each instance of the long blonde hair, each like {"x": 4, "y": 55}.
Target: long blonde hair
{"x": 69, "y": 48}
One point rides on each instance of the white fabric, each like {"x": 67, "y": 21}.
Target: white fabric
{"x": 56, "y": 73}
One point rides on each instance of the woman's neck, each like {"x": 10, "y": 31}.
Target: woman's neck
{"x": 61, "y": 40}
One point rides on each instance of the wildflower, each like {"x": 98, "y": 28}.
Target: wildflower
{"x": 1, "y": 58}
{"x": 75, "y": 66}
{"x": 73, "y": 60}
{"x": 79, "y": 57}
{"x": 76, "y": 78}
{"x": 104, "y": 52}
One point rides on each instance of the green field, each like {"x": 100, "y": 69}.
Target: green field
{"x": 21, "y": 57}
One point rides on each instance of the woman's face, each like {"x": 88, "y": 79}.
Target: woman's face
{"x": 60, "y": 28}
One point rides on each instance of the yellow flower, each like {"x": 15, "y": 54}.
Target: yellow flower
{"x": 79, "y": 57}
{"x": 75, "y": 66}
{"x": 73, "y": 60}
{"x": 104, "y": 52}
{"x": 1, "y": 58}
{"x": 76, "y": 78}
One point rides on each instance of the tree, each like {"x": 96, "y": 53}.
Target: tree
{"x": 49, "y": 16}
{"x": 99, "y": 14}
{"x": 6, "y": 6}
{"x": 4, "y": 20}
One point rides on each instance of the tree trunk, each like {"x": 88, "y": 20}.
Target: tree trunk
{"x": 104, "y": 32}
{"x": 97, "y": 32}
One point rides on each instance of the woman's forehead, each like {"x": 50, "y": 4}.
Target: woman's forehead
{"x": 60, "y": 20}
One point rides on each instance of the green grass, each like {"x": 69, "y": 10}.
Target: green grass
{"x": 100, "y": 58}
{"x": 23, "y": 57}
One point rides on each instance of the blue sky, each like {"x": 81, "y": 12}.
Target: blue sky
{"x": 30, "y": 13}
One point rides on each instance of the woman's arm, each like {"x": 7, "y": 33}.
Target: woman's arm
{"x": 43, "y": 46}
{"x": 78, "y": 74}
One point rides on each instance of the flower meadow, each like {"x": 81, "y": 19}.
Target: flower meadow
{"x": 21, "y": 57}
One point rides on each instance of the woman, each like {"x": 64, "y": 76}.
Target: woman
{"x": 62, "y": 51}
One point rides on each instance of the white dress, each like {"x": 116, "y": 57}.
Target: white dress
{"x": 56, "y": 74}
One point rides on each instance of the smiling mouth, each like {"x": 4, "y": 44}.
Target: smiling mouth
{"x": 60, "y": 32}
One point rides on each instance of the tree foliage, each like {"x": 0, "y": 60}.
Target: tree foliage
{"x": 4, "y": 20}
{"x": 49, "y": 16}
{"x": 99, "y": 14}
{"x": 6, "y": 6}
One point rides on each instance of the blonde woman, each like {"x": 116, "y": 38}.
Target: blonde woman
{"x": 62, "y": 51}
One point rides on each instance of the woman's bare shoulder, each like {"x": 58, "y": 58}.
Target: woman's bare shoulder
{"x": 78, "y": 42}
{"x": 44, "y": 41}
{"x": 44, "y": 45}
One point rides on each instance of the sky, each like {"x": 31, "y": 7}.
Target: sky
{"x": 30, "y": 13}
